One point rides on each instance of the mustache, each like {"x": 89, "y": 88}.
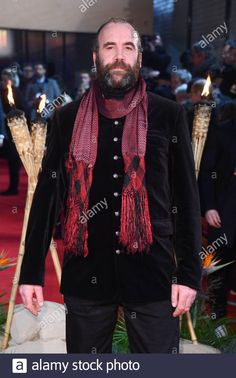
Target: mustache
{"x": 115, "y": 65}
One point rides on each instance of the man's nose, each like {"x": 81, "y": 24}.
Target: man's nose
{"x": 119, "y": 54}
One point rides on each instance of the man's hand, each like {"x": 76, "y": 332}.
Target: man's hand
{"x": 32, "y": 297}
{"x": 182, "y": 297}
{"x": 213, "y": 218}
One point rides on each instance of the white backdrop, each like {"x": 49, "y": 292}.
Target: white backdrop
{"x": 73, "y": 15}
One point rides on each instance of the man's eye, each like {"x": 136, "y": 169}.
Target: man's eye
{"x": 109, "y": 47}
{"x": 129, "y": 48}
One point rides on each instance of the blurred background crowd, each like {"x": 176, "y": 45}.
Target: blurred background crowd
{"x": 183, "y": 84}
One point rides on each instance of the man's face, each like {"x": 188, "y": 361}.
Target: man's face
{"x": 85, "y": 79}
{"x": 28, "y": 72}
{"x": 39, "y": 71}
{"x": 197, "y": 58}
{"x": 118, "y": 60}
{"x": 225, "y": 54}
{"x": 175, "y": 82}
{"x": 195, "y": 95}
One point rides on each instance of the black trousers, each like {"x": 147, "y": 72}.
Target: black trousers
{"x": 221, "y": 281}
{"x": 14, "y": 163}
{"x": 151, "y": 327}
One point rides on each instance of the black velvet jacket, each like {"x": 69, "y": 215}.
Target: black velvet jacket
{"x": 108, "y": 272}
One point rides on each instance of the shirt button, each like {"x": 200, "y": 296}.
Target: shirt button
{"x": 115, "y": 157}
{"x": 115, "y": 175}
{"x": 116, "y": 123}
{"x": 117, "y": 251}
{"x": 115, "y": 139}
{"x": 117, "y": 213}
{"x": 115, "y": 194}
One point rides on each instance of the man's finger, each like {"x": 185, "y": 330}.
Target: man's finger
{"x": 174, "y": 295}
{"x": 31, "y": 306}
{"x": 181, "y": 305}
{"x": 39, "y": 295}
{"x": 28, "y": 302}
{"x": 216, "y": 220}
{"x": 190, "y": 301}
{"x": 211, "y": 221}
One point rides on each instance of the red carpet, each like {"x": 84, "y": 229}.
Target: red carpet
{"x": 12, "y": 212}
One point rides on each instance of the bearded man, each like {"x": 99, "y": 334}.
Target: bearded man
{"x": 119, "y": 162}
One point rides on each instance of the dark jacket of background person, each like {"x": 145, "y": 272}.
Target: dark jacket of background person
{"x": 49, "y": 87}
{"x": 2, "y": 122}
{"x": 203, "y": 60}
{"x": 217, "y": 182}
{"x": 228, "y": 84}
{"x": 173, "y": 202}
{"x": 9, "y": 150}
{"x": 208, "y": 65}
{"x": 155, "y": 56}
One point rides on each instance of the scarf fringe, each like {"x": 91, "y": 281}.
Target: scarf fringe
{"x": 76, "y": 233}
{"x": 135, "y": 231}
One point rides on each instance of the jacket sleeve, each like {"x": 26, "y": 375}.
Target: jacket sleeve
{"x": 57, "y": 91}
{"x": 186, "y": 207}
{"x": 208, "y": 174}
{"x": 44, "y": 210}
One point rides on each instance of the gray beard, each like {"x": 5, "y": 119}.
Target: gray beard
{"x": 128, "y": 81}
{"x": 117, "y": 90}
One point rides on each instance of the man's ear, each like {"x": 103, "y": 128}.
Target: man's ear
{"x": 94, "y": 58}
{"x": 140, "y": 59}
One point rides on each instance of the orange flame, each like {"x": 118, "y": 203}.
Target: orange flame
{"x": 10, "y": 94}
{"x": 206, "y": 89}
{"x": 42, "y": 103}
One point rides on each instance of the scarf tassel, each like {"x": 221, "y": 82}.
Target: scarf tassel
{"x": 135, "y": 231}
{"x": 76, "y": 232}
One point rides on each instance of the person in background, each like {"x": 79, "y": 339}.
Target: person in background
{"x": 225, "y": 52}
{"x": 27, "y": 77}
{"x": 84, "y": 84}
{"x": 163, "y": 86}
{"x": 16, "y": 74}
{"x": 196, "y": 90}
{"x": 186, "y": 60}
{"x": 154, "y": 54}
{"x": 181, "y": 94}
{"x": 228, "y": 84}
{"x": 41, "y": 85}
{"x": 217, "y": 184}
{"x": 180, "y": 78}
{"x": 9, "y": 149}
{"x": 203, "y": 59}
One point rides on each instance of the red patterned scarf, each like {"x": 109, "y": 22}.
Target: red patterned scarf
{"x": 135, "y": 226}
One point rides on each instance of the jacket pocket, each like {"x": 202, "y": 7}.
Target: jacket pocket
{"x": 162, "y": 227}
